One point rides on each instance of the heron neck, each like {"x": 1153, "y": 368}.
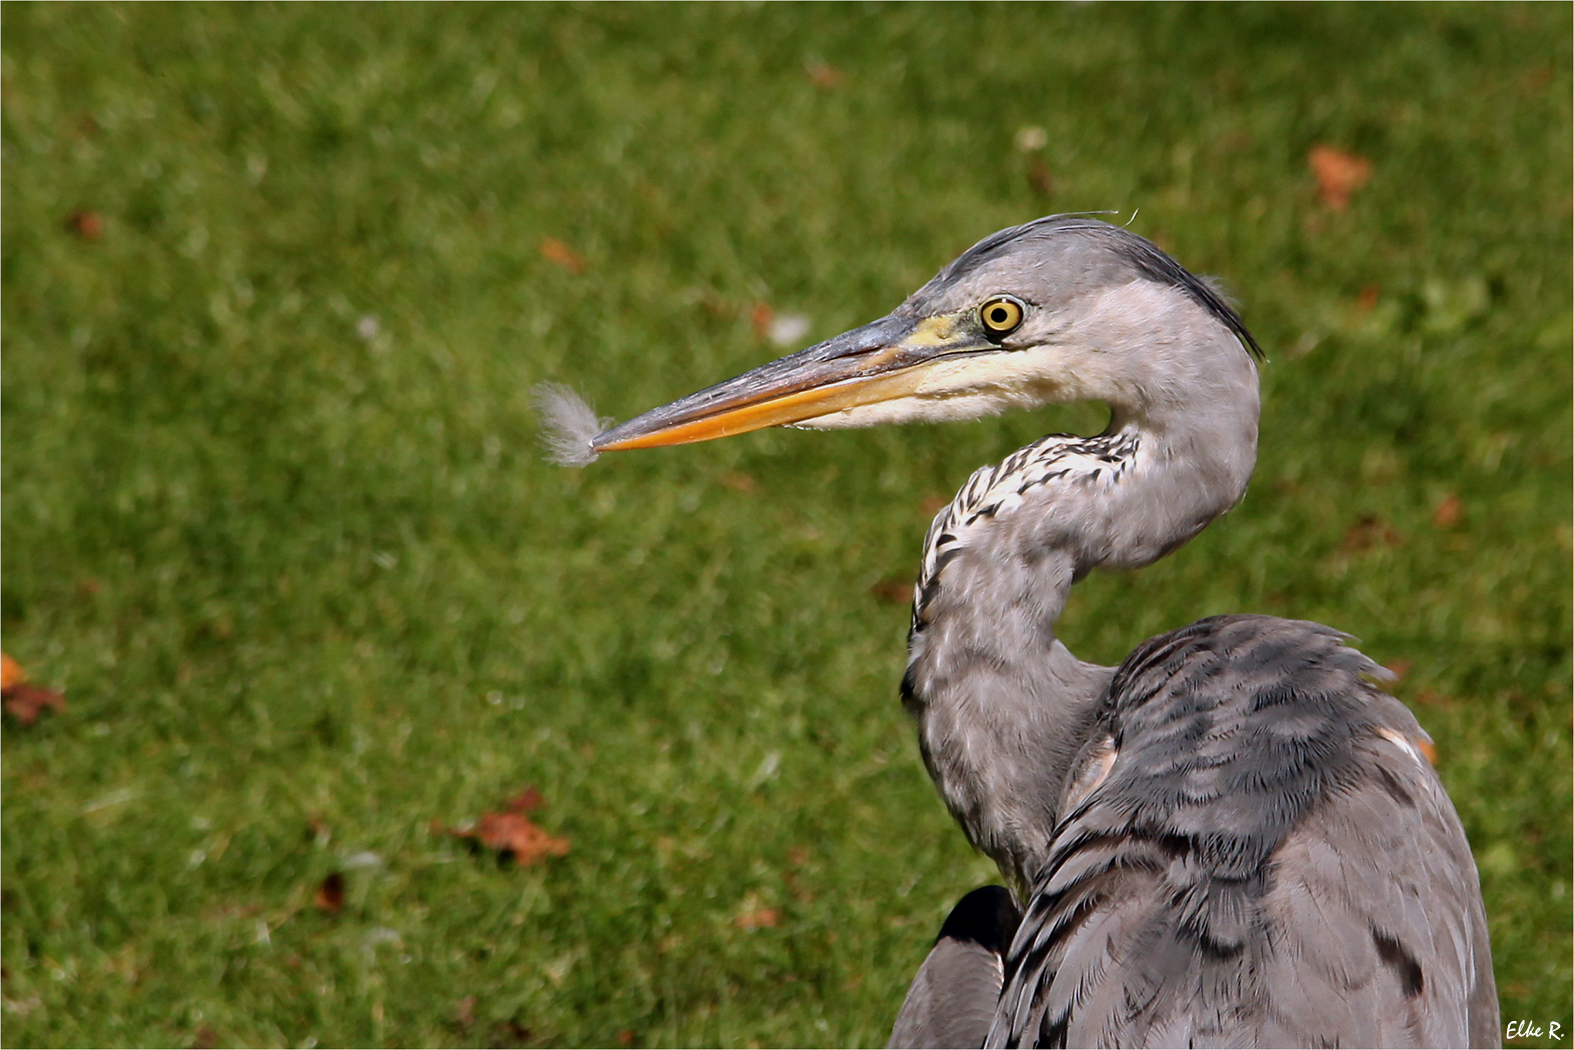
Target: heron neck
{"x": 1003, "y": 707}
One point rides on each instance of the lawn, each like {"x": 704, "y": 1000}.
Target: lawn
{"x": 278, "y": 283}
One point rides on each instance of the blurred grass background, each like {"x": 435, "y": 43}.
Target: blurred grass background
{"x": 274, "y": 299}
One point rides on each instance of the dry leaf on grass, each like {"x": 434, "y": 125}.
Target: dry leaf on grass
{"x": 1448, "y": 512}
{"x": 757, "y": 919}
{"x": 555, "y": 251}
{"x": 22, "y": 700}
{"x": 330, "y": 895}
{"x": 527, "y": 801}
{"x": 1339, "y": 174}
{"x": 88, "y": 225}
{"x": 1399, "y": 668}
{"x": 893, "y": 590}
{"x": 11, "y": 672}
{"x": 824, "y": 75}
{"x": 1427, "y": 698}
{"x": 512, "y": 834}
{"x": 760, "y": 316}
{"x": 1369, "y": 531}
{"x": 1039, "y": 177}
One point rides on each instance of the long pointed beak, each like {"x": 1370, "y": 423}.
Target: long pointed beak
{"x": 867, "y": 365}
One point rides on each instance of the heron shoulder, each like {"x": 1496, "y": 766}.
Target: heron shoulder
{"x": 1250, "y": 850}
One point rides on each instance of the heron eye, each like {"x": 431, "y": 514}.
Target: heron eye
{"x": 1001, "y": 315}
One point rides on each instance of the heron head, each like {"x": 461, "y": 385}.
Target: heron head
{"x": 1066, "y": 308}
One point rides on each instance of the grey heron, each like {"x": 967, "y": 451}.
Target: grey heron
{"x": 1235, "y": 837}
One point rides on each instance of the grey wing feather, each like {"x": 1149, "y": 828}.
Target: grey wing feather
{"x": 1269, "y": 861}
{"x": 953, "y": 997}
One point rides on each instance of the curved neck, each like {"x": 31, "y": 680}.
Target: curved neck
{"x": 1003, "y": 706}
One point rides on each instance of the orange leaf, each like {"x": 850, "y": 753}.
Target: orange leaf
{"x": 1448, "y": 513}
{"x": 26, "y": 702}
{"x": 1039, "y": 177}
{"x": 88, "y": 225}
{"x": 1366, "y": 299}
{"x": 512, "y": 834}
{"x": 824, "y": 75}
{"x": 330, "y": 895}
{"x": 555, "y": 251}
{"x": 760, "y": 316}
{"x": 893, "y": 590}
{"x": 1369, "y": 531}
{"x": 526, "y": 801}
{"x": 1339, "y": 174}
{"x": 11, "y": 673}
{"x": 754, "y": 920}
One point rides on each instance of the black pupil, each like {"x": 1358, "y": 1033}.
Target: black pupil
{"x": 998, "y": 315}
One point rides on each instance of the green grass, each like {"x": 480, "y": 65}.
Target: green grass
{"x": 288, "y": 570}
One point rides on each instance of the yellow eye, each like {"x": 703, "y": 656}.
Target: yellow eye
{"x": 1001, "y": 315}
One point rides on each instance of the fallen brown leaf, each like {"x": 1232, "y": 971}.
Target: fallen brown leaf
{"x": 741, "y": 482}
{"x": 1400, "y": 668}
{"x": 893, "y": 590}
{"x": 26, "y": 702}
{"x": 1366, "y": 299}
{"x": 625, "y": 1038}
{"x": 1448, "y": 512}
{"x": 1427, "y": 748}
{"x": 798, "y": 856}
{"x": 204, "y": 1038}
{"x": 1369, "y": 531}
{"x": 760, "y": 316}
{"x": 757, "y": 919}
{"x": 516, "y": 835}
{"x": 799, "y": 891}
{"x": 933, "y": 505}
{"x": 824, "y": 75}
{"x": 527, "y": 801}
{"x": 1339, "y": 174}
{"x": 1427, "y": 698}
{"x": 511, "y": 1033}
{"x": 555, "y": 251}
{"x": 11, "y": 672}
{"x": 330, "y": 895}
{"x": 511, "y": 833}
{"x": 1039, "y": 178}
{"x": 88, "y": 225}
{"x": 464, "y": 1013}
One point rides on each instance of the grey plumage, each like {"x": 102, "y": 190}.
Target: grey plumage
{"x": 952, "y": 999}
{"x": 1266, "y": 857}
{"x": 1232, "y": 839}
